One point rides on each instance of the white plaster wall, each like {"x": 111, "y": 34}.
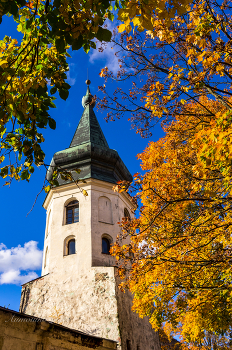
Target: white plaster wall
{"x": 47, "y": 238}
{"x": 118, "y": 202}
{"x": 59, "y": 231}
{"x": 80, "y": 290}
{"x": 87, "y": 232}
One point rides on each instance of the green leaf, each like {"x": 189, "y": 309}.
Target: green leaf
{"x": 31, "y": 169}
{"x": 60, "y": 45}
{"x": 77, "y": 43}
{"x": 24, "y": 175}
{"x": 110, "y": 16}
{"x": 13, "y": 8}
{"x": 63, "y": 93}
{"x": 20, "y": 131}
{"x": 44, "y": 40}
{"x": 52, "y": 123}
{"x": 116, "y": 6}
{"x": 52, "y": 105}
{"x": 103, "y": 34}
{"x": 57, "y": 3}
{"x": 66, "y": 86}
{"x": 55, "y": 183}
{"x": 29, "y": 22}
{"x": 41, "y": 90}
{"x": 4, "y": 171}
{"x": 19, "y": 28}
{"x": 105, "y": 3}
{"x": 86, "y": 47}
{"x": 93, "y": 44}
{"x": 53, "y": 90}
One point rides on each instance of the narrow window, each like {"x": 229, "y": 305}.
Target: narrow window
{"x": 71, "y": 247}
{"x": 48, "y": 223}
{"x": 126, "y": 214}
{"x": 46, "y": 257}
{"x": 128, "y": 347}
{"x": 105, "y": 246}
{"x": 72, "y": 212}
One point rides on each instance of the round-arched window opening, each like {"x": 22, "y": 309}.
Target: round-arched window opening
{"x": 72, "y": 212}
{"x": 71, "y": 247}
{"x": 105, "y": 246}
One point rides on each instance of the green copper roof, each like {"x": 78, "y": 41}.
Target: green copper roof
{"x": 88, "y": 129}
{"x": 89, "y": 151}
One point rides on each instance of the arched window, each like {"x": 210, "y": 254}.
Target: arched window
{"x": 71, "y": 247}
{"x": 72, "y": 212}
{"x": 126, "y": 214}
{"x": 105, "y": 245}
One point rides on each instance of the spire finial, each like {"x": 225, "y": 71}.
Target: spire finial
{"x": 88, "y": 98}
{"x": 88, "y": 82}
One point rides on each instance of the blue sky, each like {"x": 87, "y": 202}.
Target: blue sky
{"x": 22, "y": 236}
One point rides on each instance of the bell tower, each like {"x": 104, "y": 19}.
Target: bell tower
{"x": 78, "y": 286}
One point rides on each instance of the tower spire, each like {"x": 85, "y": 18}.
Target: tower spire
{"x": 89, "y": 150}
{"x": 89, "y": 130}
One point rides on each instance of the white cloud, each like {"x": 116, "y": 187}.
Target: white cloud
{"x": 109, "y": 55}
{"x": 17, "y": 263}
{"x": 70, "y": 81}
{"x": 71, "y": 74}
{"x": 14, "y": 277}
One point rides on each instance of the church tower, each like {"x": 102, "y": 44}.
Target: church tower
{"x": 78, "y": 286}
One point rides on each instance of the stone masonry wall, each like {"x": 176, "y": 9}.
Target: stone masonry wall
{"x": 21, "y": 332}
{"x": 85, "y": 302}
{"x": 134, "y": 330}
{"x": 91, "y": 303}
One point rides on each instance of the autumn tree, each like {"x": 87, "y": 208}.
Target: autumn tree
{"x": 179, "y": 257}
{"x": 178, "y": 262}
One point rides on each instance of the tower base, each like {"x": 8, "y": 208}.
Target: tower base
{"x": 92, "y": 303}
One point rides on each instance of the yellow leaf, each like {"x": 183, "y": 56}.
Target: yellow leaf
{"x": 85, "y": 193}
{"x": 136, "y": 21}
{"x": 3, "y": 63}
{"x": 47, "y": 188}
{"x": 121, "y": 28}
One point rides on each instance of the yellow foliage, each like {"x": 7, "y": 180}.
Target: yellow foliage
{"x": 181, "y": 270}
